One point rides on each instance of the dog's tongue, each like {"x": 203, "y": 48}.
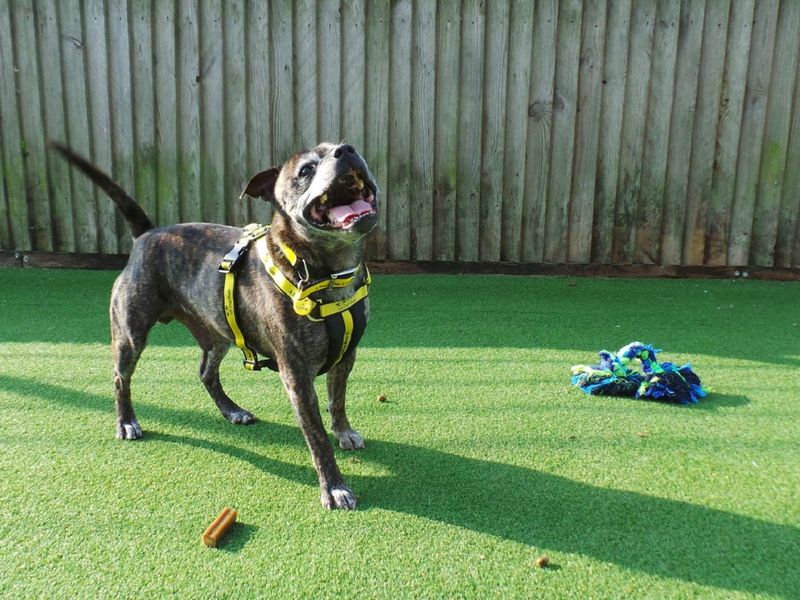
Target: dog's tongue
{"x": 342, "y": 214}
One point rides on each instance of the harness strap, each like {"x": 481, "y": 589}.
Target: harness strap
{"x": 302, "y": 303}
{"x": 345, "y": 320}
{"x": 227, "y": 266}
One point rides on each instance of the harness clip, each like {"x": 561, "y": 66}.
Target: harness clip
{"x": 232, "y": 257}
{"x": 304, "y": 277}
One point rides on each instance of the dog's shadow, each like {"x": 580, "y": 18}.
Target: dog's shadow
{"x": 657, "y": 536}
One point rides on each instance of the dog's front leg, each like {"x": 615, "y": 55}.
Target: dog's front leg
{"x": 349, "y": 438}
{"x": 333, "y": 492}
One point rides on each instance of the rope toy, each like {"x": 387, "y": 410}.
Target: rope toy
{"x": 634, "y": 371}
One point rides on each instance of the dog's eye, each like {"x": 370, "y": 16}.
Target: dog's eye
{"x": 307, "y": 170}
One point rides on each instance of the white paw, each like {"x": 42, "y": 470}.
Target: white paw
{"x": 349, "y": 439}
{"x": 240, "y": 417}
{"x": 129, "y": 430}
{"x": 338, "y": 497}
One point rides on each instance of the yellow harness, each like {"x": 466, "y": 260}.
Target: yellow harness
{"x": 344, "y": 319}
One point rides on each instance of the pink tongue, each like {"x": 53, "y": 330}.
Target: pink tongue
{"x": 341, "y": 214}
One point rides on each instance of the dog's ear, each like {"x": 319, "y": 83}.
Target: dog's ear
{"x": 262, "y": 185}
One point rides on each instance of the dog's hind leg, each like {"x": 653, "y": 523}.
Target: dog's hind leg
{"x": 214, "y": 350}
{"x": 349, "y": 438}
{"x": 127, "y": 343}
{"x": 126, "y": 354}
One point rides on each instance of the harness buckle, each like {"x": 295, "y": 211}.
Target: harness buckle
{"x": 232, "y": 257}
{"x": 252, "y": 365}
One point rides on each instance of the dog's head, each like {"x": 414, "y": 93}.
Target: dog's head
{"x": 327, "y": 192}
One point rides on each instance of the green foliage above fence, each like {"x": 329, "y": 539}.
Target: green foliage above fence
{"x": 619, "y": 132}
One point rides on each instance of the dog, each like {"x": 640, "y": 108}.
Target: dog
{"x": 325, "y": 202}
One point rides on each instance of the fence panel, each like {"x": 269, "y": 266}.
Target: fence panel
{"x": 660, "y": 132}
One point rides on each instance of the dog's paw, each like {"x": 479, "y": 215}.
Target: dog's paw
{"x": 129, "y": 430}
{"x": 349, "y": 439}
{"x": 339, "y": 496}
{"x": 240, "y": 417}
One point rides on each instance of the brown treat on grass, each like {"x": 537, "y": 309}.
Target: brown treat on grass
{"x": 217, "y": 529}
{"x": 543, "y": 561}
{"x": 382, "y": 398}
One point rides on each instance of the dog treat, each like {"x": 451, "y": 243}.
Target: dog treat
{"x": 217, "y": 529}
{"x": 382, "y": 398}
{"x": 543, "y": 561}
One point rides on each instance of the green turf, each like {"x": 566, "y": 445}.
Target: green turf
{"x": 483, "y": 458}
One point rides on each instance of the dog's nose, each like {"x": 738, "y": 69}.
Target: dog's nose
{"x": 342, "y": 149}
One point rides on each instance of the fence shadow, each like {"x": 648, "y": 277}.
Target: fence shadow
{"x": 657, "y": 536}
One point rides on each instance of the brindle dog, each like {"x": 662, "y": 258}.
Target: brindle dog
{"x": 172, "y": 274}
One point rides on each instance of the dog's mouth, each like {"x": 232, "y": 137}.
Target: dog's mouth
{"x": 348, "y": 201}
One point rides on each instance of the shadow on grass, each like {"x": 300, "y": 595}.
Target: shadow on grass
{"x": 716, "y": 401}
{"x": 657, "y": 536}
{"x": 237, "y": 537}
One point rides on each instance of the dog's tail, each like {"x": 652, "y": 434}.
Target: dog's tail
{"x": 137, "y": 219}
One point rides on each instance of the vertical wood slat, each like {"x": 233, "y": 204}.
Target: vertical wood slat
{"x": 355, "y": 85}
{"x": 720, "y": 204}
{"x": 615, "y": 68}
{"x": 305, "y": 73}
{"x": 633, "y": 128}
{"x": 493, "y": 133}
{"x": 187, "y": 64}
{"x": 700, "y": 186}
{"x": 649, "y": 215}
{"x": 751, "y": 134}
{"x": 540, "y": 109}
{"x": 166, "y": 111}
{"x": 11, "y": 141}
{"x": 683, "y": 117}
{"x": 259, "y": 156}
{"x": 776, "y": 136}
{"x": 399, "y": 187}
{"x": 236, "y": 134}
{"x": 785, "y": 253}
{"x": 564, "y": 113}
{"x": 212, "y": 100}
{"x": 5, "y": 231}
{"x": 121, "y": 109}
{"x": 282, "y": 113}
{"x": 144, "y": 123}
{"x": 100, "y": 116}
{"x": 31, "y": 124}
{"x": 519, "y": 60}
{"x": 329, "y": 70}
{"x": 77, "y": 121}
{"x": 468, "y": 192}
{"x": 445, "y": 151}
{"x": 54, "y": 124}
{"x": 587, "y": 131}
{"x": 377, "y": 110}
{"x": 422, "y": 125}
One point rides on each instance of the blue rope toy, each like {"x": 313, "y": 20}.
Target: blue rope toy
{"x": 634, "y": 371}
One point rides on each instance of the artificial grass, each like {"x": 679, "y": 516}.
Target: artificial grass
{"x": 483, "y": 458}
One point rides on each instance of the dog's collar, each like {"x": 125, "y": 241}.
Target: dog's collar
{"x": 306, "y": 294}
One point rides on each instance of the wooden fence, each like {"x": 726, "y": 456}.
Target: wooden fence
{"x": 557, "y": 131}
